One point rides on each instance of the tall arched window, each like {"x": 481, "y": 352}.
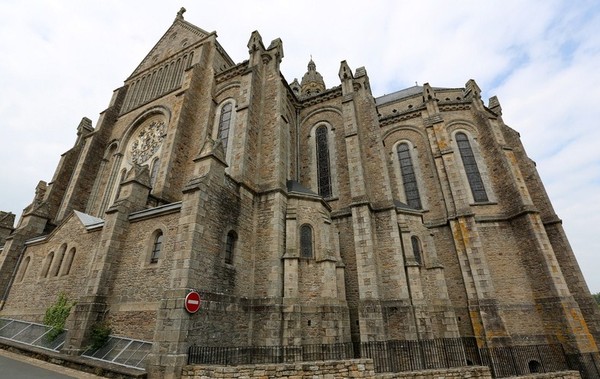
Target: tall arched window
{"x": 306, "y": 241}
{"x": 24, "y": 267}
{"x": 68, "y": 262}
{"x": 416, "y": 248}
{"x": 471, "y": 169}
{"x": 323, "y": 163}
{"x": 409, "y": 179}
{"x": 225, "y": 124}
{"x": 47, "y": 264}
{"x": 156, "y": 247}
{"x": 59, "y": 260}
{"x": 230, "y": 247}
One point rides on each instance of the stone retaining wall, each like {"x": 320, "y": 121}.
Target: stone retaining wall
{"x": 356, "y": 368}
{"x": 554, "y": 375}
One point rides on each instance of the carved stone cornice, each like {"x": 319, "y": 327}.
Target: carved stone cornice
{"x": 331, "y": 93}
{"x": 392, "y": 119}
{"x": 231, "y": 72}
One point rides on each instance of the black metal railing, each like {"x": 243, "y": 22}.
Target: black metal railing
{"x": 409, "y": 355}
{"x": 232, "y": 356}
{"x": 396, "y": 355}
{"x": 518, "y": 360}
{"x": 588, "y": 364}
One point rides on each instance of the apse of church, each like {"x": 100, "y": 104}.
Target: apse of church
{"x": 301, "y": 213}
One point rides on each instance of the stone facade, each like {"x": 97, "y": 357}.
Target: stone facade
{"x": 302, "y": 215}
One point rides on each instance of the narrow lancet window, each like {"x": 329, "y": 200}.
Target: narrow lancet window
{"x": 471, "y": 169}
{"x": 229, "y": 247}
{"x": 156, "y": 247}
{"x": 323, "y": 162}
{"x": 69, "y": 262}
{"x": 416, "y": 247}
{"x": 409, "y": 179}
{"x": 306, "y": 241}
{"x": 225, "y": 124}
{"x": 47, "y": 264}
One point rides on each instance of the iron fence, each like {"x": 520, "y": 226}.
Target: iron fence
{"x": 517, "y": 360}
{"x": 232, "y": 356}
{"x": 588, "y": 364}
{"x": 408, "y": 355}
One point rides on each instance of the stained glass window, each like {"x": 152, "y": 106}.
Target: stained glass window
{"x": 323, "y": 163}
{"x": 306, "y": 242}
{"x": 409, "y": 179}
{"x": 225, "y": 124}
{"x": 471, "y": 169}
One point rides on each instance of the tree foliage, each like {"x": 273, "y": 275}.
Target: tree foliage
{"x": 596, "y": 297}
{"x": 56, "y": 316}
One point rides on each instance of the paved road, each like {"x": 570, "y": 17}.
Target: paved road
{"x": 15, "y": 366}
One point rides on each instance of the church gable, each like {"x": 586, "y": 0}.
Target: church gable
{"x": 177, "y": 38}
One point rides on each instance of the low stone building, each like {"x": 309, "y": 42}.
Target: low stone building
{"x": 302, "y": 214}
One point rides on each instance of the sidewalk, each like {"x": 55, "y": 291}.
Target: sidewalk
{"x": 47, "y": 366}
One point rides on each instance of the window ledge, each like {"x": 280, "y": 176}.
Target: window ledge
{"x": 484, "y": 203}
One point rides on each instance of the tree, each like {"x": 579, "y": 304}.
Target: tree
{"x": 596, "y": 297}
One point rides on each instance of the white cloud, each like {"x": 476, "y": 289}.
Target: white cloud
{"x": 62, "y": 60}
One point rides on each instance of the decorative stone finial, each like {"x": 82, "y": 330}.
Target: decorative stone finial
{"x": 180, "y": 13}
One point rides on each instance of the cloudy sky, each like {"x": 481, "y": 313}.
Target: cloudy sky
{"x": 61, "y": 60}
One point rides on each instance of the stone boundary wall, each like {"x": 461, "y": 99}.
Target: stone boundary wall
{"x": 554, "y": 375}
{"x": 356, "y": 368}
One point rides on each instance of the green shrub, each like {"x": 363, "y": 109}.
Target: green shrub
{"x": 56, "y": 316}
{"x": 100, "y": 333}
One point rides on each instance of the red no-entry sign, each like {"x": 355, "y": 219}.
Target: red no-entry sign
{"x": 192, "y": 302}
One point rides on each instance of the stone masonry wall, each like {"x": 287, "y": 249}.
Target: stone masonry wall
{"x": 357, "y": 368}
{"x": 33, "y": 292}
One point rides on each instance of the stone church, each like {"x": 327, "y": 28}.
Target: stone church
{"x": 301, "y": 213}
